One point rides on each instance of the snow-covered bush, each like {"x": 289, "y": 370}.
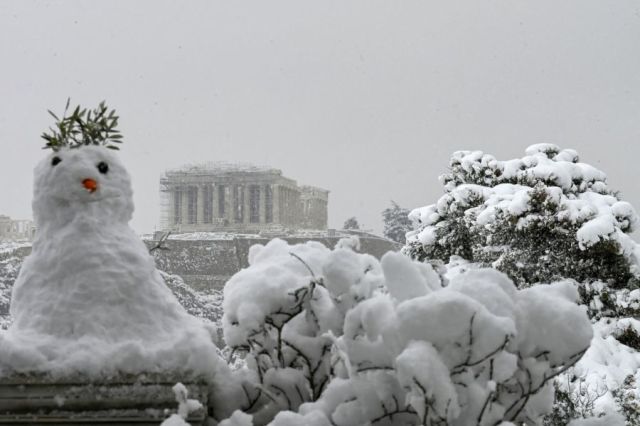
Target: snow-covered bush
{"x": 574, "y": 398}
{"x": 604, "y": 301}
{"x": 628, "y": 398}
{"x": 600, "y": 382}
{"x": 206, "y": 306}
{"x": 539, "y": 218}
{"x": 339, "y": 338}
{"x": 9, "y": 268}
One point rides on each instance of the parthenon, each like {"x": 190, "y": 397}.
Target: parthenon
{"x": 238, "y": 198}
{"x": 12, "y": 229}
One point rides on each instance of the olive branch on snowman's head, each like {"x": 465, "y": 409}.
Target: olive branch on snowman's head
{"x": 83, "y": 127}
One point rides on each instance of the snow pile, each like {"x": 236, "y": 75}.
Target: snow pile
{"x": 545, "y": 206}
{"x": 610, "y": 419}
{"x": 186, "y": 406}
{"x": 343, "y": 339}
{"x": 608, "y": 363}
{"x": 603, "y": 384}
{"x": 89, "y": 300}
{"x": 206, "y": 306}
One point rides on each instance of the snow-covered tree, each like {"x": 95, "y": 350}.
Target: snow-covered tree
{"x": 542, "y": 218}
{"x": 396, "y": 222}
{"x": 539, "y": 218}
{"x": 351, "y": 223}
{"x": 335, "y": 337}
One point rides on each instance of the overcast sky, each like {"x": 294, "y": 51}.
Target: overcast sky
{"x": 365, "y": 98}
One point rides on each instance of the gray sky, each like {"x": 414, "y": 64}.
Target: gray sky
{"x": 364, "y": 98}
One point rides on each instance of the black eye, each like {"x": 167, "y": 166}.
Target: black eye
{"x": 55, "y": 160}
{"x": 103, "y": 167}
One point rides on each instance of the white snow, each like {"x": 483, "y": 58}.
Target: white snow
{"x": 609, "y": 419}
{"x": 288, "y": 418}
{"x": 557, "y": 339}
{"x": 89, "y": 302}
{"x": 261, "y": 289}
{"x": 89, "y": 299}
{"x": 608, "y": 362}
{"x": 421, "y": 369}
{"x": 238, "y": 418}
{"x": 579, "y": 190}
{"x": 9, "y": 246}
{"x": 185, "y": 407}
{"x": 399, "y": 339}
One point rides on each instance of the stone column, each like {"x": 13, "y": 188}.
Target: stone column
{"x": 229, "y": 204}
{"x": 276, "y": 204}
{"x": 201, "y": 200}
{"x": 284, "y": 206}
{"x": 170, "y": 213}
{"x": 214, "y": 202}
{"x": 245, "y": 203}
{"x": 185, "y": 207}
{"x": 263, "y": 204}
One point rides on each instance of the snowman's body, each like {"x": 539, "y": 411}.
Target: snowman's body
{"x": 89, "y": 296}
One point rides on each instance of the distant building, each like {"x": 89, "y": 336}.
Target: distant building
{"x": 238, "y": 198}
{"x": 12, "y": 229}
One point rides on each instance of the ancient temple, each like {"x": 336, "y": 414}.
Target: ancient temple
{"x": 12, "y": 229}
{"x": 238, "y": 198}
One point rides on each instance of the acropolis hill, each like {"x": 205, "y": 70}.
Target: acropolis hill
{"x": 216, "y": 211}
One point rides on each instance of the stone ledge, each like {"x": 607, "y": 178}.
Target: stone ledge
{"x": 141, "y": 401}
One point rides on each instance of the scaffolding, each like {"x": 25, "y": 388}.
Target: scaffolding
{"x": 237, "y": 197}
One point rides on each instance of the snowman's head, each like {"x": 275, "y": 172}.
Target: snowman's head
{"x": 89, "y": 179}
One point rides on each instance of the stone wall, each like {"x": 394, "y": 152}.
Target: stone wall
{"x": 204, "y": 264}
{"x": 208, "y": 264}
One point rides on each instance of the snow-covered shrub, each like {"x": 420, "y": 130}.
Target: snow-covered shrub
{"x": 628, "y": 398}
{"x": 604, "y": 301}
{"x": 339, "y": 338}
{"x": 9, "y": 268}
{"x": 630, "y": 337}
{"x": 539, "y": 218}
{"x": 207, "y": 306}
{"x": 574, "y": 398}
{"x": 600, "y": 375}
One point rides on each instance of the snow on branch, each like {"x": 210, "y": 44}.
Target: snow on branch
{"x": 339, "y": 338}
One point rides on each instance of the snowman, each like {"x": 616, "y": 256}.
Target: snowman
{"x": 89, "y": 299}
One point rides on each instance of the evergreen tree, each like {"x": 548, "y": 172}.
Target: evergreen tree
{"x": 396, "y": 222}
{"x": 351, "y": 223}
{"x": 540, "y": 218}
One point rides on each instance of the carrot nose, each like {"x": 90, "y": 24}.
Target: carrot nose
{"x": 90, "y": 185}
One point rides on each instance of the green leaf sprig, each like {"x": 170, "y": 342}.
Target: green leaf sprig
{"x": 83, "y": 127}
